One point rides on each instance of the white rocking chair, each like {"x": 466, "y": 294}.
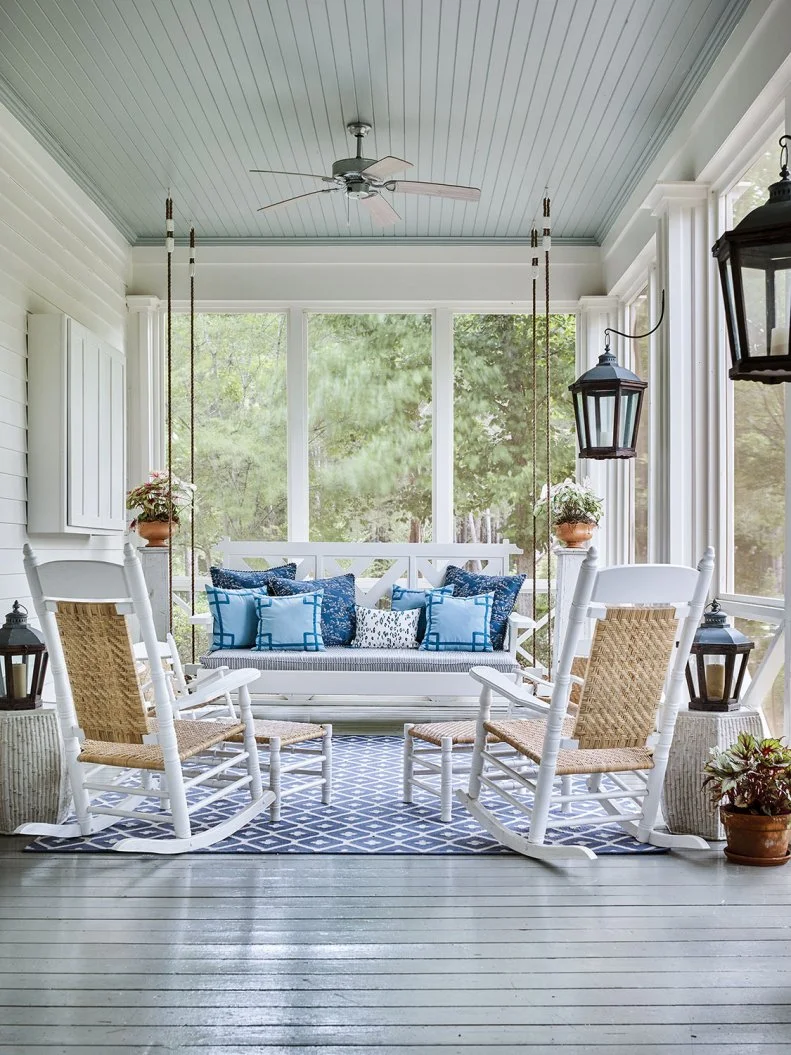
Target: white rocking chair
{"x": 620, "y": 735}
{"x": 111, "y": 742}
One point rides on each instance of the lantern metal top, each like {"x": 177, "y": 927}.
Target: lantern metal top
{"x": 715, "y": 633}
{"x": 776, "y": 211}
{"x": 15, "y": 634}
{"x": 607, "y": 371}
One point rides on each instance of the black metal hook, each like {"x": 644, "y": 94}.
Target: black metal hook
{"x": 784, "y": 141}
{"x": 639, "y": 336}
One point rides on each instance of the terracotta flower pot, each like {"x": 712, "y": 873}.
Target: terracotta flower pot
{"x": 574, "y": 535}
{"x": 156, "y": 532}
{"x": 754, "y": 839}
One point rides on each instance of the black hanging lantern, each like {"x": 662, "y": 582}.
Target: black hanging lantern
{"x": 23, "y": 663}
{"x": 608, "y": 400}
{"x": 755, "y": 273}
{"x": 717, "y": 663}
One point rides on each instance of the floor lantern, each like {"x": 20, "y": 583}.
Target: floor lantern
{"x": 24, "y": 662}
{"x": 755, "y": 273}
{"x": 608, "y": 400}
{"x": 717, "y": 663}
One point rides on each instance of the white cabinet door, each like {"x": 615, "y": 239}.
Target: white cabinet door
{"x": 95, "y": 432}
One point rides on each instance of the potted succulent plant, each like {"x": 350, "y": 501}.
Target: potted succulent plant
{"x": 575, "y": 510}
{"x": 750, "y": 781}
{"x": 158, "y": 508}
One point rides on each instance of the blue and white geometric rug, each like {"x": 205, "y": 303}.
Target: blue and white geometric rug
{"x": 367, "y": 816}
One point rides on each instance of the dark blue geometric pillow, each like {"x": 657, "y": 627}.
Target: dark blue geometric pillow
{"x": 338, "y": 623}
{"x": 505, "y": 588}
{"x": 245, "y": 579}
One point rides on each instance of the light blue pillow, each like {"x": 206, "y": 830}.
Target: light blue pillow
{"x": 458, "y": 624}
{"x": 234, "y": 615}
{"x": 291, "y": 624}
{"x": 403, "y": 599}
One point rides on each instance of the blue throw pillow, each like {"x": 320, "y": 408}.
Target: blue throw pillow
{"x": 289, "y": 623}
{"x": 404, "y": 600}
{"x": 245, "y": 579}
{"x": 504, "y": 587}
{"x": 458, "y": 624}
{"x": 234, "y": 615}
{"x": 338, "y": 624}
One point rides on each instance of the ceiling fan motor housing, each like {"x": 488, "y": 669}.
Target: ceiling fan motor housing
{"x": 349, "y": 170}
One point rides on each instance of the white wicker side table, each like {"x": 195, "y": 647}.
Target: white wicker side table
{"x": 33, "y": 785}
{"x": 686, "y": 806}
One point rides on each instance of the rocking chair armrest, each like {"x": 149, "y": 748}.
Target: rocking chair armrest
{"x": 503, "y": 686}
{"x": 229, "y": 682}
{"x": 207, "y": 678}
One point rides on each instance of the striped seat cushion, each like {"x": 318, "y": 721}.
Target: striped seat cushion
{"x": 407, "y": 660}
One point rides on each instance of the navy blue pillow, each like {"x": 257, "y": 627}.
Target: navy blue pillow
{"x": 504, "y": 587}
{"x": 245, "y": 579}
{"x": 338, "y": 622}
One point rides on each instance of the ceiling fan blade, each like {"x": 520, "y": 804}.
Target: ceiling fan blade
{"x": 279, "y": 172}
{"x": 380, "y": 211}
{"x": 287, "y": 201}
{"x": 435, "y": 190}
{"x": 385, "y": 167}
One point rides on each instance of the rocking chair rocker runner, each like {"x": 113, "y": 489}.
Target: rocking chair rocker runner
{"x": 612, "y": 753}
{"x": 105, "y": 721}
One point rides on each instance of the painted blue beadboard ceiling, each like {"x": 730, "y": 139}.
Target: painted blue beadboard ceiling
{"x": 135, "y": 96}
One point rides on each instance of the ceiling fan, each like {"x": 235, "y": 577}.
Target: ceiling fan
{"x": 364, "y": 180}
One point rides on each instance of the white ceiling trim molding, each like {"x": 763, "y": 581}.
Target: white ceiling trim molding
{"x": 30, "y": 124}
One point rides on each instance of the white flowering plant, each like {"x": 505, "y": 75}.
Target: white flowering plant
{"x": 571, "y": 503}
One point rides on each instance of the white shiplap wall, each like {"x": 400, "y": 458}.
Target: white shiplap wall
{"x": 58, "y": 252}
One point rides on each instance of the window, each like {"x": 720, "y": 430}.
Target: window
{"x": 494, "y": 406}
{"x": 369, "y": 397}
{"x": 640, "y": 349}
{"x": 240, "y": 433}
{"x": 758, "y": 438}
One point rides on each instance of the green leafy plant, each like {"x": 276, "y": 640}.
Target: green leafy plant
{"x": 571, "y": 503}
{"x": 154, "y": 500}
{"x": 751, "y": 776}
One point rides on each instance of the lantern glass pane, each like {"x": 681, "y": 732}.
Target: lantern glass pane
{"x": 726, "y": 272}
{"x": 579, "y": 402}
{"x": 602, "y": 418}
{"x": 629, "y": 403}
{"x": 765, "y": 282}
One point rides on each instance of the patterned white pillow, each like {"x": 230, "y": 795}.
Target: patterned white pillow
{"x": 377, "y": 628}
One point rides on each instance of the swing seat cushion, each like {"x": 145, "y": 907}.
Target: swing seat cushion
{"x": 369, "y": 660}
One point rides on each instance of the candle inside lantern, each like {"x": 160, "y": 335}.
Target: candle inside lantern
{"x": 19, "y": 673}
{"x": 715, "y": 681}
{"x": 779, "y": 345}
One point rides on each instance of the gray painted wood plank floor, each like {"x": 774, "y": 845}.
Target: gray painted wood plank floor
{"x": 223, "y": 955}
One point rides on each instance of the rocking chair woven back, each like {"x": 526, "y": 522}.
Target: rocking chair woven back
{"x": 630, "y": 656}
{"x": 102, "y": 671}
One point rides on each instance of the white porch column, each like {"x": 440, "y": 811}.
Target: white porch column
{"x": 145, "y": 354}
{"x": 686, "y": 367}
{"x": 610, "y": 479}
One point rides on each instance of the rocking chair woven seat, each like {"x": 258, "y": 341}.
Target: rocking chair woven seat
{"x": 527, "y": 736}
{"x": 192, "y": 738}
{"x": 288, "y": 733}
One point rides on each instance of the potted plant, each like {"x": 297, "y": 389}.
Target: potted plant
{"x": 751, "y": 783}
{"x": 159, "y": 509}
{"x": 575, "y": 509}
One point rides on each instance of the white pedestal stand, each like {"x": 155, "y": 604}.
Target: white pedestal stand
{"x": 687, "y": 808}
